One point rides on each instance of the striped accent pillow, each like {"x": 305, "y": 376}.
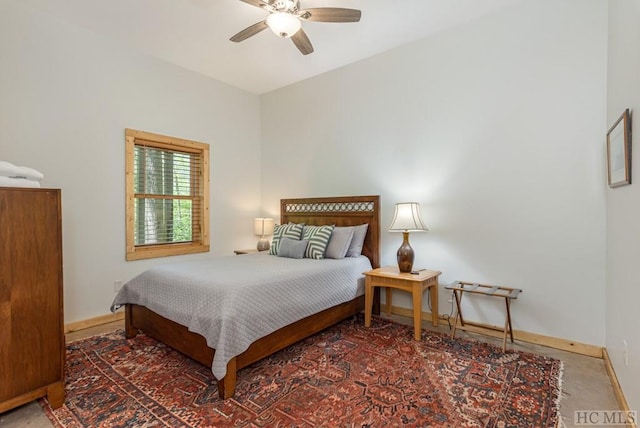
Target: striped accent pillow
{"x": 290, "y": 230}
{"x": 318, "y": 237}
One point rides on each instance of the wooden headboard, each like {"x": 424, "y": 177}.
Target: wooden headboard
{"x": 340, "y": 211}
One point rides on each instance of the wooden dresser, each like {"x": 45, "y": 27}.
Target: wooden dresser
{"x": 32, "y": 347}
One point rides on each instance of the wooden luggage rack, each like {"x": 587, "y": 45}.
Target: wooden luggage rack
{"x": 460, "y": 287}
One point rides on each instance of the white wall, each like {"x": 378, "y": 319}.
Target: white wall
{"x": 66, "y": 97}
{"x": 623, "y": 203}
{"x": 496, "y": 128}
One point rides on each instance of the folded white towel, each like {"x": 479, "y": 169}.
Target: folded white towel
{"x": 18, "y": 182}
{"x": 7, "y": 169}
{"x": 29, "y": 173}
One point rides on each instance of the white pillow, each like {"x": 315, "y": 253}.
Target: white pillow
{"x": 339, "y": 242}
{"x": 357, "y": 242}
{"x": 292, "y": 248}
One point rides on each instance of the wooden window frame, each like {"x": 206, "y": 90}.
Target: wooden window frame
{"x": 136, "y": 252}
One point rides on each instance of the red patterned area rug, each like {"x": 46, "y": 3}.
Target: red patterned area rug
{"x": 346, "y": 376}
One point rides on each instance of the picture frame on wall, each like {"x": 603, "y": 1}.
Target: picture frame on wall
{"x": 619, "y": 151}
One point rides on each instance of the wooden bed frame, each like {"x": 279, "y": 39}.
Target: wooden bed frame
{"x": 341, "y": 211}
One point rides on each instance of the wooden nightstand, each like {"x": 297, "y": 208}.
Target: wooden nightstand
{"x": 390, "y": 277}
{"x": 247, "y": 251}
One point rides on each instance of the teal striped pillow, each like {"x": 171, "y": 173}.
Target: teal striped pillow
{"x": 290, "y": 230}
{"x": 318, "y": 237}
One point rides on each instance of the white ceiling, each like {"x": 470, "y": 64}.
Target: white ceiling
{"x": 195, "y": 33}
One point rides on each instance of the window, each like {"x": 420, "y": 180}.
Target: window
{"x": 167, "y": 184}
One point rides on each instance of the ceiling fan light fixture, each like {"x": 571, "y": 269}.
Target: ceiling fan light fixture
{"x": 283, "y": 24}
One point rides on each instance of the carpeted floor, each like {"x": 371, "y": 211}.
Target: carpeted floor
{"x": 347, "y": 375}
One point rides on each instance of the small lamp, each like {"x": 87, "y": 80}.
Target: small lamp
{"x": 263, "y": 227}
{"x": 406, "y": 219}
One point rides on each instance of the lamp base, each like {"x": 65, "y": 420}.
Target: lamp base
{"x": 405, "y": 254}
{"x": 263, "y": 244}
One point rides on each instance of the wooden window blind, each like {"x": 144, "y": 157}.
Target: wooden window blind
{"x": 167, "y": 195}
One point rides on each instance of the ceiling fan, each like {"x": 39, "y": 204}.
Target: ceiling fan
{"x": 285, "y": 20}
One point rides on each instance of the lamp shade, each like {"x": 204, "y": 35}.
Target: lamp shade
{"x": 407, "y": 218}
{"x": 263, "y": 226}
{"x": 283, "y": 24}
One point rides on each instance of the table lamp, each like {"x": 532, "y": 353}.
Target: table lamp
{"x": 263, "y": 227}
{"x": 406, "y": 219}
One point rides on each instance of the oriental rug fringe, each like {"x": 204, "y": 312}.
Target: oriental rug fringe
{"x": 345, "y": 376}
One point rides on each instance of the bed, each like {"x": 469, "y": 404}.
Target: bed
{"x": 179, "y": 334}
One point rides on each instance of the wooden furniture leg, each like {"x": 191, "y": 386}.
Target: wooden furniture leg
{"x": 507, "y": 325}
{"x": 458, "y": 313}
{"x": 433, "y": 290}
{"x": 504, "y": 336}
{"x": 55, "y": 394}
{"x": 227, "y": 385}
{"x": 368, "y": 301}
{"x": 129, "y": 330}
{"x": 417, "y": 312}
{"x": 508, "y": 303}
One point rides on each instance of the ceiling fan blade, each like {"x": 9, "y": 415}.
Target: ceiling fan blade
{"x": 249, "y": 31}
{"x": 330, "y": 14}
{"x": 302, "y": 42}
{"x": 257, "y": 3}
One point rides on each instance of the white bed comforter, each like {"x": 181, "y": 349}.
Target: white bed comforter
{"x": 233, "y": 301}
